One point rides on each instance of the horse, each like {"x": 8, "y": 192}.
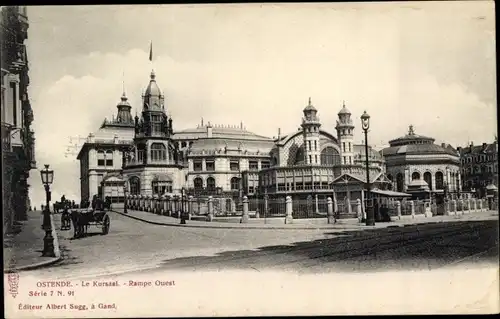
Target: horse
{"x": 80, "y": 222}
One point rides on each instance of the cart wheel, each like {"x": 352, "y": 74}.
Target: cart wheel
{"x": 105, "y": 225}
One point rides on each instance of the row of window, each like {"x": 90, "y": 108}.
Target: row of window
{"x": 478, "y": 159}
{"x": 349, "y": 147}
{"x": 347, "y": 131}
{"x": 211, "y": 185}
{"x": 478, "y": 169}
{"x": 439, "y": 180}
{"x": 234, "y": 165}
{"x": 309, "y": 144}
{"x": 312, "y": 129}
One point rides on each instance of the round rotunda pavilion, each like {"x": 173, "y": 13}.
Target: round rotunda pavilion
{"x": 416, "y": 165}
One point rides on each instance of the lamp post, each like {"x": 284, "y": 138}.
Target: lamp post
{"x": 370, "y": 218}
{"x": 47, "y": 176}
{"x": 125, "y": 211}
{"x": 183, "y": 215}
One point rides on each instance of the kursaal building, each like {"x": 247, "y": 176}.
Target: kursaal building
{"x": 149, "y": 156}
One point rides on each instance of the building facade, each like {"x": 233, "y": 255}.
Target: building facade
{"x": 479, "y": 166}
{"x": 416, "y": 165}
{"x": 101, "y": 155}
{"x": 312, "y": 161}
{"x": 156, "y": 159}
{"x": 18, "y": 141}
{"x": 223, "y": 160}
{"x": 154, "y": 165}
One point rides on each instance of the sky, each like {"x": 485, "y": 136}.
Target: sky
{"x": 431, "y": 65}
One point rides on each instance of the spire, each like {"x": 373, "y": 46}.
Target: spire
{"x": 309, "y": 108}
{"x": 123, "y": 83}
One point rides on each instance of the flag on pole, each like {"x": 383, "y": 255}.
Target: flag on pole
{"x": 151, "y": 51}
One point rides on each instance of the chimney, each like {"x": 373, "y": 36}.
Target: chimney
{"x": 484, "y": 146}
{"x": 279, "y": 133}
{"x": 443, "y": 145}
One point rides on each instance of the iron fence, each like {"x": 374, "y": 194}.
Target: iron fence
{"x": 200, "y": 206}
{"x": 308, "y": 208}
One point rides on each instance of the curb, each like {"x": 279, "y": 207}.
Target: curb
{"x": 46, "y": 263}
{"x": 273, "y": 227}
{"x": 231, "y": 227}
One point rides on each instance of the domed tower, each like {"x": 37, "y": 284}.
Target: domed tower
{"x": 153, "y": 130}
{"x": 310, "y": 129}
{"x": 154, "y": 121}
{"x": 124, "y": 116}
{"x": 345, "y": 134}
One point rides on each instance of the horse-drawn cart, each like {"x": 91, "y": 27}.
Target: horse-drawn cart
{"x": 83, "y": 218}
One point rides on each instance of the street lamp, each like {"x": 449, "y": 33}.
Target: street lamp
{"x": 125, "y": 197}
{"x": 183, "y": 216}
{"x": 47, "y": 176}
{"x": 365, "y": 124}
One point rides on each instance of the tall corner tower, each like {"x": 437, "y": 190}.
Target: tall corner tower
{"x": 155, "y": 122}
{"x": 345, "y": 134}
{"x": 310, "y": 129}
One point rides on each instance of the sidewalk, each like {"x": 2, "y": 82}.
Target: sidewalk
{"x": 298, "y": 224}
{"x": 23, "y": 250}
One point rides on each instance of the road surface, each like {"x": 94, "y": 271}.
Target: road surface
{"x": 134, "y": 246}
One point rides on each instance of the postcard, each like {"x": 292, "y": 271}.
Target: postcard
{"x": 249, "y": 159}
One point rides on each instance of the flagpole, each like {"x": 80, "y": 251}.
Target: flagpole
{"x": 151, "y": 55}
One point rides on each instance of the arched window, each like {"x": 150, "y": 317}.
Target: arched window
{"x": 235, "y": 183}
{"x": 135, "y": 185}
{"x": 439, "y": 180}
{"x": 428, "y": 179}
{"x": 399, "y": 182}
{"x": 198, "y": 183}
{"x": 330, "y": 156}
{"x": 415, "y": 176}
{"x": 158, "y": 152}
{"x": 211, "y": 183}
